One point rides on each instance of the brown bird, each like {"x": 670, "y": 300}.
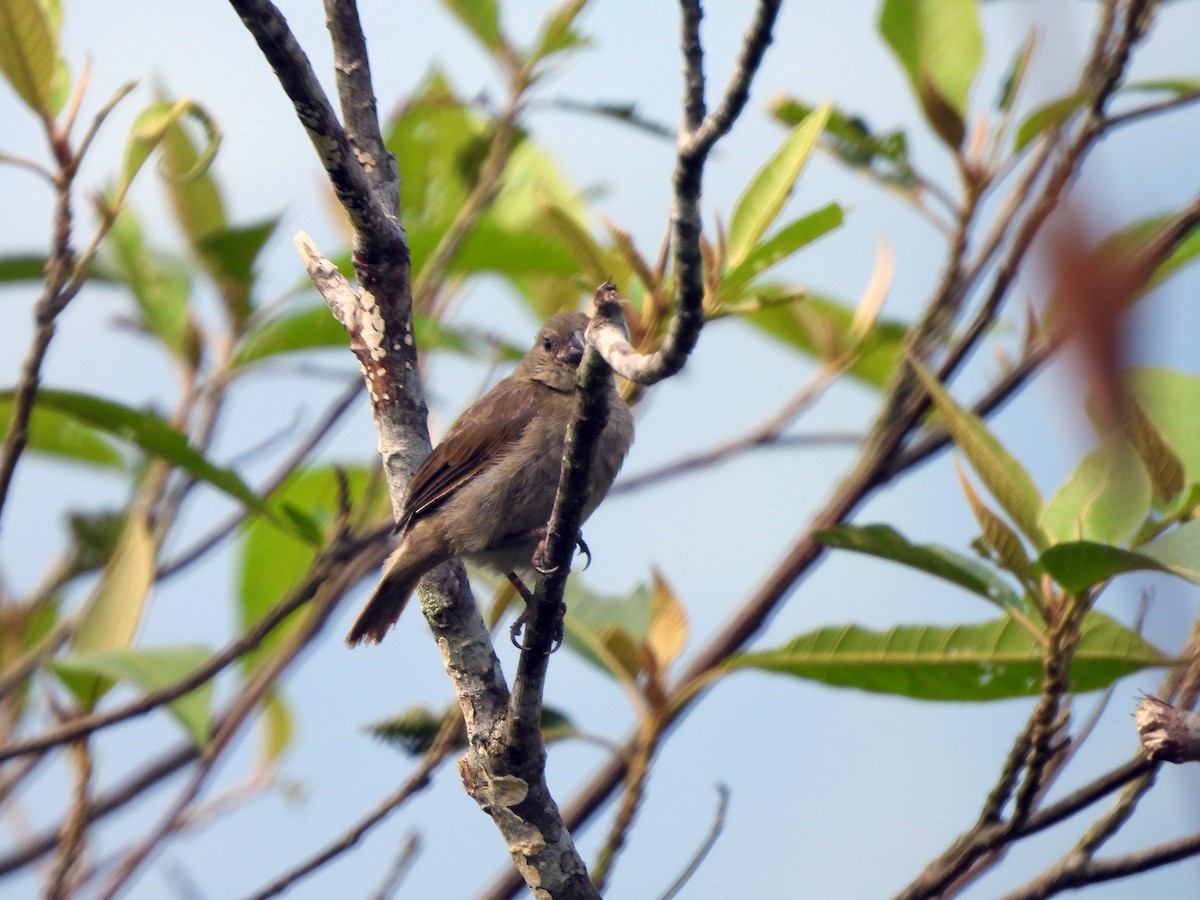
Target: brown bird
{"x": 487, "y": 490}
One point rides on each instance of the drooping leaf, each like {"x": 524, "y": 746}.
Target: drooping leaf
{"x": 940, "y": 45}
{"x": 1105, "y": 499}
{"x": 790, "y": 238}
{"x": 1015, "y": 78}
{"x": 158, "y": 438}
{"x": 991, "y": 661}
{"x": 149, "y": 670}
{"x": 196, "y": 200}
{"x": 885, "y": 542}
{"x": 151, "y": 127}
{"x": 28, "y": 52}
{"x": 1006, "y": 478}
{"x": 763, "y": 199}
{"x": 114, "y": 609}
{"x": 55, "y": 434}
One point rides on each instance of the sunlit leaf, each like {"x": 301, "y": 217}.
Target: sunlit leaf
{"x": 557, "y": 33}
{"x": 1000, "y": 540}
{"x": 149, "y": 670}
{"x": 278, "y": 727}
{"x": 608, "y": 630}
{"x": 1006, "y": 478}
{"x": 940, "y": 45}
{"x": 160, "y": 286}
{"x": 1171, "y": 399}
{"x": 28, "y": 52}
{"x": 151, "y": 127}
{"x": 991, "y": 661}
{"x": 763, "y": 199}
{"x": 114, "y": 609}
{"x": 1105, "y": 499}
{"x": 668, "y": 631}
{"x": 885, "y": 542}
{"x": 790, "y": 238}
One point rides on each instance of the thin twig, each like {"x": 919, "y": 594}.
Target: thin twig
{"x": 718, "y": 826}
{"x": 442, "y": 747}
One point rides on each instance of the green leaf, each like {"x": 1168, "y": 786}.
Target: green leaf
{"x": 230, "y": 255}
{"x": 158, "y": 438}
{"x": 761, "y": 202}
{"x": 149, "y": 670}
{"x": 114, "y": 609}
{"x": 991, "y": 661}
{"x": 885, "y": 542}
{"x": 1171, "y": 399}
{"x": 556, "y": 33}
{"x": 28, "y": 52}
{"x": 1178, "y": 550}
{"x": 1079, "y": 565}
{"x": 60, "y": 435}
{"x": 480, "y": 17}
{"x": 277, "y": 725}
{"x": 1015, "y": 78}
{"x": 608, "y": 630}
{"x": 854, "y": 143}
{"x": 196, "y": 201}
{"x": 274, "y": 562}
{"x": 940, "y": 45}
{"x": 999, "y": 540}
{"x": 801, "y": 320}
{"x": 1105, "y": 499}
{"x": 151, "y": 127}
{"x": 1006, "y": 478}
{"x": 314, "y": 327}
{"x": 782, "y": 244}
{"x": 1162, "y": 464}
{"x": 1047, "y": 116}
{"x": 160, "y": 286}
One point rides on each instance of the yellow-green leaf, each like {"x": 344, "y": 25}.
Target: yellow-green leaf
{"x": 28, "y": 52}
{"x": 1006, "y": 478}
{"x": 761, "y": 202}
{"x": 149, "y": 670}
{"x": 112, "y": 613}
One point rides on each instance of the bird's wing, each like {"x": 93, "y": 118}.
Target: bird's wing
{"x": 482, "y": 434}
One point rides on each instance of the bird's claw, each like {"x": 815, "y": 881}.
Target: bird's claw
{"x": 583, "y": 548}
{"x": 514, "y": 633}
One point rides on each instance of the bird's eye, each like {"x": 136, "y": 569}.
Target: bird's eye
{"x": 547, "y": 344}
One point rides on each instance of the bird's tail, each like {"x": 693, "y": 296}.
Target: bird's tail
{"x": 385, "y": 606}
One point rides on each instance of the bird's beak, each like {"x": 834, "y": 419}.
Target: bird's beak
{"x": 572, "y": 353}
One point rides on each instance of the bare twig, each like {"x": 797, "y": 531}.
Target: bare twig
{"x": 718, "y": 826}
{"x": 443, "y": 745}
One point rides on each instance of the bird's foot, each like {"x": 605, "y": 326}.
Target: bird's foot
{"x": 518, "y": 625}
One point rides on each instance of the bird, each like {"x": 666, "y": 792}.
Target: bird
{"x": 486, "y": 491}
